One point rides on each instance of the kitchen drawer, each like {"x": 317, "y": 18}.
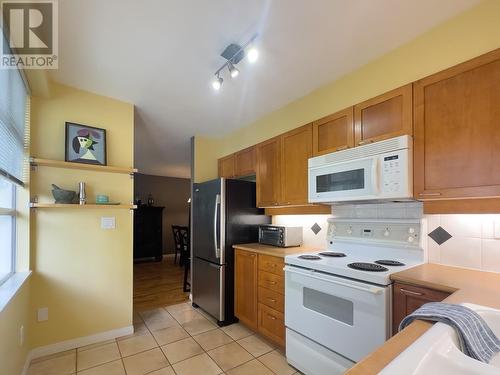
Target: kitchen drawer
{"x": 408, "y": 298}
{"x": 272, "y": 324}
{"x": 271, "y": 264}
{"x": 272, "y": 299}
{"x": 272, "y": 281}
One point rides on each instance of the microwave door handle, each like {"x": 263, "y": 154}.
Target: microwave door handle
{"x": 216, "y": 224}
{"x": 326, "y": 279}
{"x": 375, "y": 175}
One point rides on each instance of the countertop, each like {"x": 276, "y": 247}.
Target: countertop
{"x": 276, "y": 251}
{"x": 478, "y": 287}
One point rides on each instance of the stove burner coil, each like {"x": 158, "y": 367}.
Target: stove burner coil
{"x": 332, "y": 254}
{"x": 388, "y": 262}
{"x": 370, "y": 267}
{"x": 309, "y": 257}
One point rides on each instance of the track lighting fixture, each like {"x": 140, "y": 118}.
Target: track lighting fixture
{"x": 217, "y": 82}
{"x": 233, "y": 54}
{"x": 233, "y": 71}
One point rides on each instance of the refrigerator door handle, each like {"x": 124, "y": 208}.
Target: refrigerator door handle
{"x": 216, "y": 225}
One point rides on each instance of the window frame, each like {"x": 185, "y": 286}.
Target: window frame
{"x": 12, "y": 212}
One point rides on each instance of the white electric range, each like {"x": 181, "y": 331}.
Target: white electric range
{"x": 338, "y": 302}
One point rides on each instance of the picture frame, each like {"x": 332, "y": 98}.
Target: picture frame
{"x": 85, "y": 144}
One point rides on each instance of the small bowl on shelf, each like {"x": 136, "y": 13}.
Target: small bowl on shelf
{"x": 63, "y": 196}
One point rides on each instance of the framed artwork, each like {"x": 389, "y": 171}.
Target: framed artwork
{"x": 85, "y": 144}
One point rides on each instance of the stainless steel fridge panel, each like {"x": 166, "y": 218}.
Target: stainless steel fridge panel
{"x": 209, "y": 287}
{"x": 209, "y": 221}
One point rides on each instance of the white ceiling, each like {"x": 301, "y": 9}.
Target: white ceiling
{"x": 161, "y": 56}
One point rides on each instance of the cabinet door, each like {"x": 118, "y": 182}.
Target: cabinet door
{"x": 245, "y": 287}
{"x": 408, "y": 298}
{"x": 334, "y": 132}
{"x": 457, "y": 131}
{"x": 385, "y": 116}
{"x": 296, "y": 150}
{"x": 244, "y": 162}
{"x": 269, "y": 172}
{"x": 227, "y": 167}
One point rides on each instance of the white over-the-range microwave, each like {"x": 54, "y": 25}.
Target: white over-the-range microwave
{"x": 379, "y": 171}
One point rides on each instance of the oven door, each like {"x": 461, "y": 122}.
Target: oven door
{"x": 347, "y": 181}
{"x": 349, "y": 317}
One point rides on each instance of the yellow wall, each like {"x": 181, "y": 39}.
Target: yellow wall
{"x": 470, "y": 34}
{"x": 82, "y": 273}
{"x": 15, "y": 315}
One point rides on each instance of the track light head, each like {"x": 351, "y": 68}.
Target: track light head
{"x": 253, "y": 54}
{"x": 217, "y": 83}
{"x": 233, "y": 71}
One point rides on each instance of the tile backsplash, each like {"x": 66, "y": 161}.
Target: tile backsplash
{"x": 473, "y": 242}
{"x": 310, "y": 225}
{"x": 470, "y": 241}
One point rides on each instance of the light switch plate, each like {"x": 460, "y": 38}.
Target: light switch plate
{"x": 43, "y": 314}
{"x": 108, "y": 222}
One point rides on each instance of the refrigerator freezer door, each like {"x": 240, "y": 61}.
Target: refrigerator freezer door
{"x": 209, "y": 287}
{"x": 208, "y": 221}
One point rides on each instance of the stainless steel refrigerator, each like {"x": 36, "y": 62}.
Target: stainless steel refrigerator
{"x": 224, "y": 214}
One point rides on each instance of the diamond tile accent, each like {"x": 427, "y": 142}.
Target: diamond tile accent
{"x": 439, "y": 235}
{"x": 316, "y": 228}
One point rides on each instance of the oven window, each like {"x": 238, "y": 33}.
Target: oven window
{"x": 335, "y": 307}
{"x": 341, "y": 181}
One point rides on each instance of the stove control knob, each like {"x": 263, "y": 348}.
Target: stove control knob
{"x": 349, "y": 230}
{"x": 387, "y": 233}
{"x": 411, "y": 230}
{"x": 411, "y": 239}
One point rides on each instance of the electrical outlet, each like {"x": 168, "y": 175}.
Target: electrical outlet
{"x": 108, "y": 222}
{"x": 21, "y": 336}
{"x": 43, "y": 314}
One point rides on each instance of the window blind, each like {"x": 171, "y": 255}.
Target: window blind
{"x": 13, "y": 105}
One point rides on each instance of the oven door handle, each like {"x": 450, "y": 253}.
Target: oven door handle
{"x": 312, "y": 274}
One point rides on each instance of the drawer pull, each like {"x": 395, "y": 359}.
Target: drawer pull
{"x": 342, "y": 148}
{"x": 429, "y": 194}
{"x": 411, "y": 292}
{"x": 271, "y": 299}
{"x": 270, "y": 316}
{"x": 271, "y": 265}
{"x": 271, "y": 282}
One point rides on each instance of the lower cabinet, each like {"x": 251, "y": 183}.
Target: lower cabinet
{"x": 408, "y": 298}
{"x": 260, "y": 293}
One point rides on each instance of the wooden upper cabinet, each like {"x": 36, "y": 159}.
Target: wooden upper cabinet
{"x": 269, "y": 172}
{"x": 245, "y": 287}
{"x": 244, "y": 162}
{"x": 457, "y": 131}
{"x": 385, "y": 116}
{"x": 296, "y": 149}
{"x": 334, "y": 132}
{"x": 227, "y": 166}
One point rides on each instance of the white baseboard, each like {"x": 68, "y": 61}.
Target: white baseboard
{"x": 75, "y": 343}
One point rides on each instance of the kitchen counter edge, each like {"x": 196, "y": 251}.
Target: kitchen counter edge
{"x": 466, "y": 285}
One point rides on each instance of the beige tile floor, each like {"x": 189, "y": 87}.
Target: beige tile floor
{"x": 175, "y": 340}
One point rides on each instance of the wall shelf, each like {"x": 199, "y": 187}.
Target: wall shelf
{"x": 88, "y": 167}
{"x": 83, "y": 206}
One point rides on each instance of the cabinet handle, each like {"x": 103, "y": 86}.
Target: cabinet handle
{"x": 411, "y": 292}
{"x": 270, "y": 316}
{"x": 429, "y": 194}
{"x": 364, "y": 142}
{"x": 342, "y": 148}
{"x": 271, "y": 299}
{"x": 271, "y": 282}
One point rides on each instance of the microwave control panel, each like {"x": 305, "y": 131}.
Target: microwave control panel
{"x": 394, "y": 173}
